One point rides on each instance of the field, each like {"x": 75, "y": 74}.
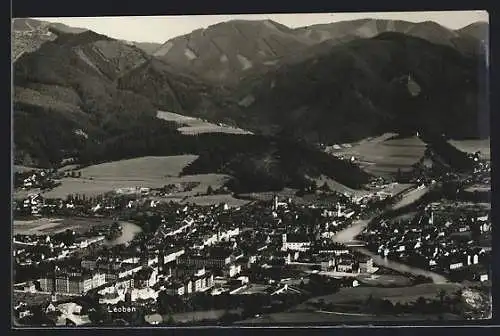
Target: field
{"x": 338, "y": 187}
{"x": 139, "y": 169}
{"x": 193, "y": 126}
{"x": 216, "y": 199}
{"x": 411, "y": 197}
{"x": 472, "y": 146}
{"x": 148, "y": 172}
{"x": 382, "y": 156}
{"x": 46, "y": 226}
{"x": 23, "y": 169}
{"x": 194, "y": 316}
{"x": 384, "y": 280}
{"x": 394, "y": 294}
{"x": 322, "y": 317}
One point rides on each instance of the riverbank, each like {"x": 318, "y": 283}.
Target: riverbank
{"x": 349, "y": 236}
{"x": 128, "y": 232}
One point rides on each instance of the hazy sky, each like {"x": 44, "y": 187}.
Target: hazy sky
{"x": 162, "y": 28}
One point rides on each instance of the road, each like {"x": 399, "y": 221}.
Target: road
{"x": 348, "y": 235}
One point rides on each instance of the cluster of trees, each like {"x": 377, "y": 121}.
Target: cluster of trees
{"x": 442, "y": 303}
{"x": 237, "y": 307}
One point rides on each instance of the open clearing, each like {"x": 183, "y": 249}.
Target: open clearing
{"x": 384, "y": 280}
{"x": 383, "y": 155}
{"x": 310, "y": 317}
{"x": 23, "y": 169}
{"x": 411, "y": 197}
{"x": 394, "y": 294}
{"x": 193, "y": 126}
{"x": 147, "y": 172}
{"x": 216, "y": 199}
{"x": 472, "y": 146}
{"x": 142, "y": 168}
{"x": 50, "y": 226}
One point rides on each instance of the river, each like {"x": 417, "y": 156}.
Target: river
{"x": 348, "y": 235}
{"x": 129, "y": 230}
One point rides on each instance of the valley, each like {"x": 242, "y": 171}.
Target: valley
{"x": 251, "y": 172}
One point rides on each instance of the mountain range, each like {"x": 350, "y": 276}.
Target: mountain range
{"x": 320, "y": 84}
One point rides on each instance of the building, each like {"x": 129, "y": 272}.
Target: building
{"x": 218, "y": 259}
{"x": 347, "y": 266}
{"x": 175, "y": 288}
{"x": 73, "y": 283}
{"x": 172, "y": 254}
{"x": 231, "y": 270}
{"x": 366, "y": 264}
{"x": 295, "y": 243}
{"x": 146, "y": 277}
{"x": 202, "y": 280}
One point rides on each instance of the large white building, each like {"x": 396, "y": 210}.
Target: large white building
{"x": 295, "y": 243}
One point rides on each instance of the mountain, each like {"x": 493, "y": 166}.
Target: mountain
{"x": 66, "y": 95}
{"x": 226, "y": 52}
{"x": 148, "y": 47}
{"x": 391, "y": 82}
{"x": 477, "y": 30}
{"x": 28, "y": 35}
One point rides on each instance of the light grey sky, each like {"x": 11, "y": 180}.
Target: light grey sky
{"x": 162, "y": 28}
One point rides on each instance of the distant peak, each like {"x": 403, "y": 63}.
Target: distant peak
{"x": 85, "y": 37}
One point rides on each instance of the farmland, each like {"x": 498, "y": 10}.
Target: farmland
{"x": 326, "y": 317}
{"x": 383, "y": 155}
{"x": 216, "y": 199}
{"x": 193, "y": 126}
{"x": 43, "y": 226}
{"x": 142, "y": 168}
{"x": 148, "y": 172}
{"x": 472, "y": 146}
{"x": 393, "y": 294}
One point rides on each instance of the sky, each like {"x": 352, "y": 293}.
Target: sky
{"x": 162, "y": 28}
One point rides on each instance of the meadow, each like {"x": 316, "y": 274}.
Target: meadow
{"x": 50, "y": 226}
{"x": 324, "y": 317}
{"x": 147, "y": 172}
{"x": 383, "y": 155}
{"x": 472, "y": 146}
{"x": 216, "y": 199}
{"x": 193, "y": 126}
{"x": 393, "y": 294}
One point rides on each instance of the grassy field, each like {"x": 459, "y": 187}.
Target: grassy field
{"x": 383, "y": 155}
{"x": 472, "y": 146}
{"x": 318, "y": 317}
{"x": 338, "y": 187}
{"x": 193, "y": 126}
{"x": 49, "y": 226}
{"x": 139, "y": 169}
{"x": 410, "y": 198}
{"x": 385, "y": 280}
{"x": 394, "y": 294}
{"x": 216, "y": 199}
{"x": 23, "y": 169}
{"x": 148, "y": 172}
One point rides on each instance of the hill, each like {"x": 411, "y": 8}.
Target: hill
{"x": 148, "y": 47}
{"x": 226, "y": 52}
{"x": 71, "y": 85}
{"x": 365, "y": 87}
{"x": 257, "y": 163}
{"x": 28, "y": 35}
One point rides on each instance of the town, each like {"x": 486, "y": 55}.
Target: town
{"x": 229, "y": 264}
